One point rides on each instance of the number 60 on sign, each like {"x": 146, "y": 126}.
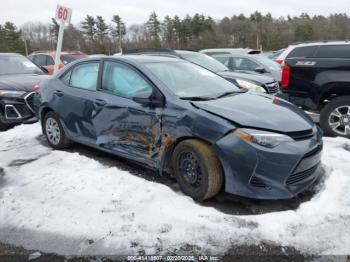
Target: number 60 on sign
{"x": 63, "y": 14}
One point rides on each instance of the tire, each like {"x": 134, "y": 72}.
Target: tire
{"x": 3, "y": 127}
{"x": 202, "y": 180}
{"x": 334, "y": 112}
{"x": 54, "y": 132}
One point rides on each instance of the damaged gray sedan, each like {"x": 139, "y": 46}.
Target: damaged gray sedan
{"x": 177, "y": 117}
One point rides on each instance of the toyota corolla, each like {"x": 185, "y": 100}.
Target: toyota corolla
{"x": 177, "y": 117}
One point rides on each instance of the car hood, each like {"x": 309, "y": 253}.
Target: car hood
{"x": 259, "y": 111}
{"x": 247, "y": 76}
{"x": 23, "y": 82}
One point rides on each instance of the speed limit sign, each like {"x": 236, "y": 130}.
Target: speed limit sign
{"x": 63, "y": 14}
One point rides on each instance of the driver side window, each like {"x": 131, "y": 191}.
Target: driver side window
{"x": 122, "y": 80}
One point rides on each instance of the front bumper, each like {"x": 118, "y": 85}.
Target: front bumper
{"x": 16, "y": 110}
{"x": 263, "y": 173}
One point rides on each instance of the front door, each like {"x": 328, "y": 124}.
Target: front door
{"x": 124, "y": 126}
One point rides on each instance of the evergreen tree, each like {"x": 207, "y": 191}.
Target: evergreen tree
{"x": 119, "y": 30}
{"x": 89, "y": 27}
{"x": 168, "y": 30}
{"x": 54, "y": 28}
{"x": 154, "y": 28}
{"x": 101, "y": 28}
{"x": 11, "y": 38}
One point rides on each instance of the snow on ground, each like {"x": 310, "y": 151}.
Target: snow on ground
{"x": 63, "y": 202}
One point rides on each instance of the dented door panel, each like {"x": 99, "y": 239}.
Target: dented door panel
{"x": 128, "y": 128}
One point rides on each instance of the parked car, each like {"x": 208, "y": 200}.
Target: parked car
{"x": 302, "y": 49}
{"x": 47, "y": 59}
{"x": 245, "y": 80}
{"x": 222, "y": 51}
{"x": 317, "y": 78}
{"x": 251, "y": 63}
{"x": 18, "y": 77}
{"x": 175, "y": 116}
{"x": 274, "y": 55}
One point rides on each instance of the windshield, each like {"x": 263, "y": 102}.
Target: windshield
{"x": 187, "y": 80}
{"x": 66, "y": 59}
{"x": 272, "y": 65}
{"x": 10, "y": 65}
{"x": 275, "y": 55}
{"x": 205, "y": 61}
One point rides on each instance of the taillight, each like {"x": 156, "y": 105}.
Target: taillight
{"x": 285, "y": 76}
{"x": 279, "y": 61}
{"x": 60, "y": 65}
{"x": 37, "y": 88}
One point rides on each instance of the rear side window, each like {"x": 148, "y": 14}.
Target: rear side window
{"x": 50, "y": 61}
{"x": 40, "y": 60}
{"x": 85, "y": 76}
{"x": 303, "y": 51}
{"x": 334, "y": 51}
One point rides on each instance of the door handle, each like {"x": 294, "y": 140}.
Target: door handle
{"x": 58, "y": 93}
{"x": 100, "y": 102}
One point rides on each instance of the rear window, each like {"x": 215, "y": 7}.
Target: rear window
{"x": 303, "y": 51}
{"x": 334, "y": 51}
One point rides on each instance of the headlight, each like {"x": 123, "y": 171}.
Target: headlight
{"x": 262, "y": 138}
{"x": 11, "y": 93}
{"x": 250, "y": 86}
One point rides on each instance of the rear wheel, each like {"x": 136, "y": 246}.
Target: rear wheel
{"x": 54, "y": 131}
{"x": 197, "y": 169}
{"x": 335, "y": 117}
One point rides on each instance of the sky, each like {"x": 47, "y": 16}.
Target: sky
{"x": 137, "y": 11}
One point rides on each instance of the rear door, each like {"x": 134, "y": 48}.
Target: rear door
{"x": 76, "y": 100}
{"x": 122, "y": 125}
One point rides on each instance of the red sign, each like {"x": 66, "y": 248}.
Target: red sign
{"x": 63, "y": 13}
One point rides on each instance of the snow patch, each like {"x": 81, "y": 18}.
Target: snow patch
{"x": 94, "y": 209}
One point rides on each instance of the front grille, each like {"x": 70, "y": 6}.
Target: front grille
{"x": 29, "y": 100}
{"x": 257, "y": 182}
{"x": 273, "y": 87}
{"x": 300, "y": 135}
{"x": 314, "y": 151}
{"x": 297, "y": 177}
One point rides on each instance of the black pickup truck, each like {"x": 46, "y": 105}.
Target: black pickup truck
{"x": 316, "y": 77}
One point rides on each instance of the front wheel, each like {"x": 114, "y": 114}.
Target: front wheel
{"x": 3, "y": 127}
{"x": 54, "y": 132}
{"x": 197, "y": 169}
{"x": 335, "y": 117}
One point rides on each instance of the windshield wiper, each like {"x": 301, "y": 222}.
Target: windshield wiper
{"x": 229, "y": 93}
{"x": 197, "y": 98}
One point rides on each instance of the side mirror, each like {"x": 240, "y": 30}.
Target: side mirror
{"x": 260, "y": 70}
{"x": 149, "y": 98}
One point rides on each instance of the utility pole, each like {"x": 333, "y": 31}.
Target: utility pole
{"x": 120, "y": 38}
{"x": 25, "y": 45}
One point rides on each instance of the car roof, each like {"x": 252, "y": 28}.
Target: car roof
{"x": 142, "y": 58}
{"x": 232, "y": 50}
{"x": 179, "y": 51}
{"x": 321, "y": 43}
{"x": 53, "y": 53}
{"x": 148, "y": 58}
{"x": 10, "y": 54}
